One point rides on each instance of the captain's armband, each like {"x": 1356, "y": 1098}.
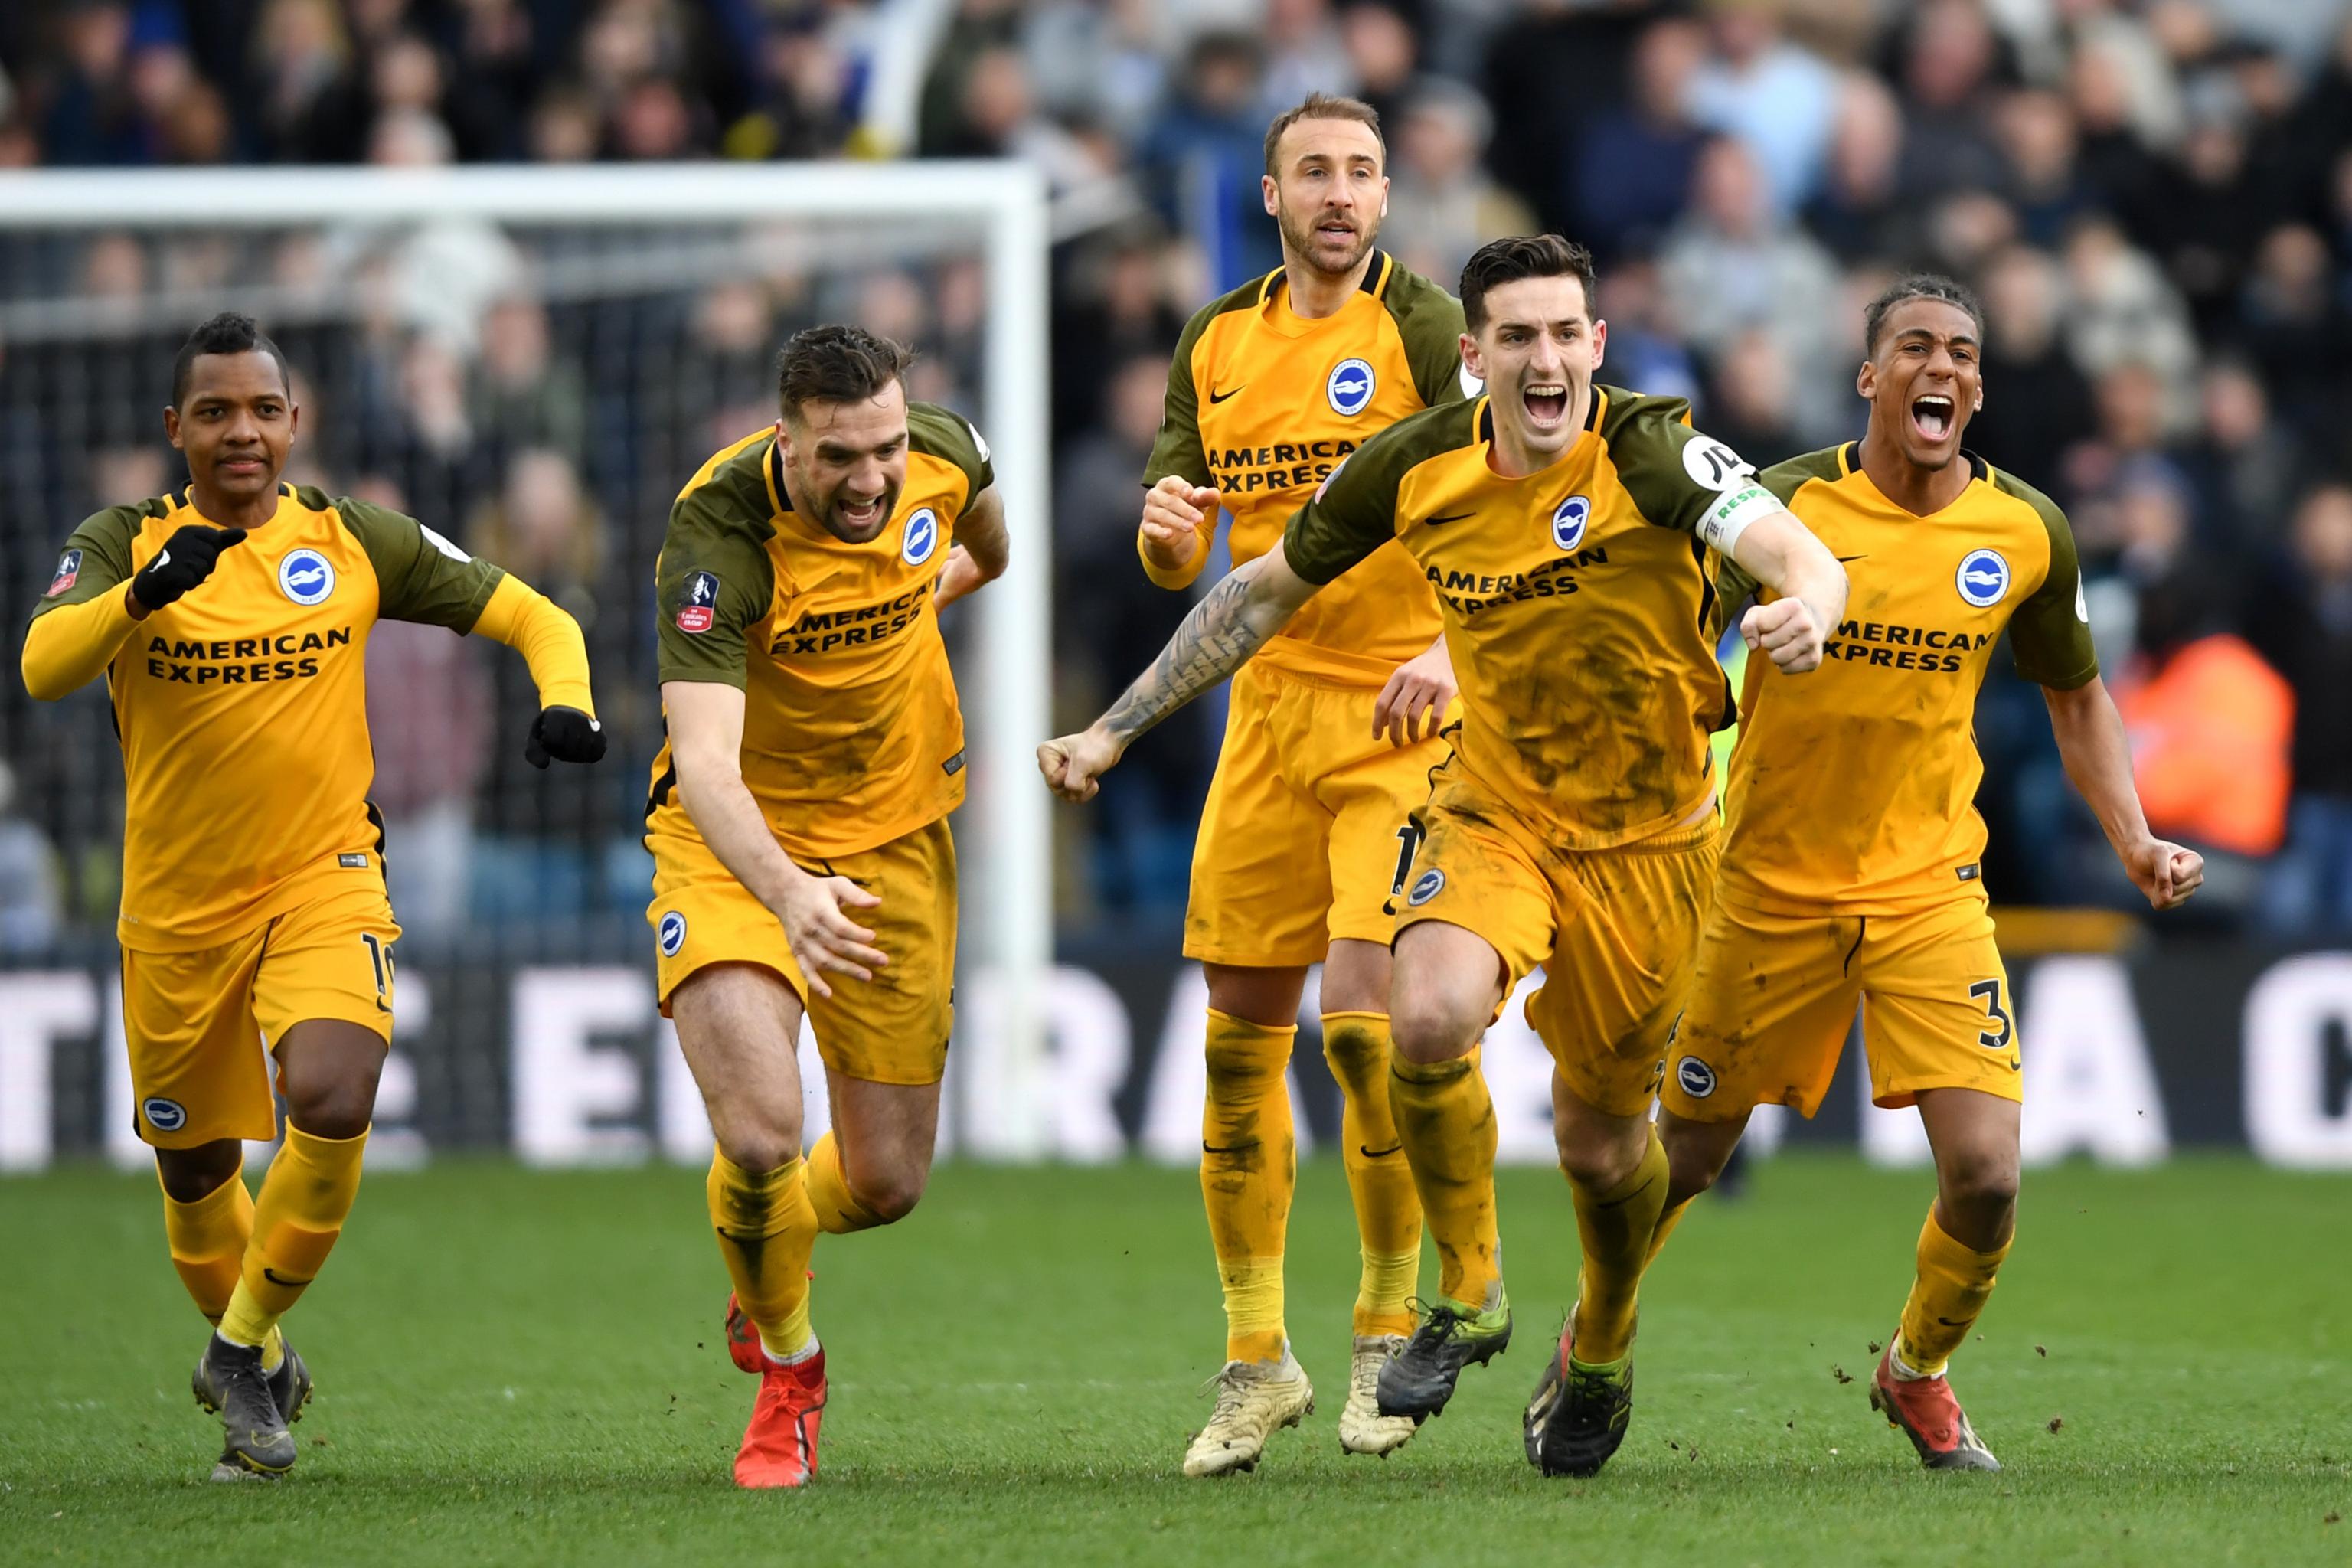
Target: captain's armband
{"x": 1728, "y": 517}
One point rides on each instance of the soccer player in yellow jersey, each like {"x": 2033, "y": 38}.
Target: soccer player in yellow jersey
{"x": 1562, "y": 525}
{"x": 1328, "y": 743}
{"x": 798, "y": 821}
{"x": 231, "y": 621}
{"x": 1851, "y": 868}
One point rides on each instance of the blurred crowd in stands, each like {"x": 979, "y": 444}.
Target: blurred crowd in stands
{"x": 2154, "y": 198}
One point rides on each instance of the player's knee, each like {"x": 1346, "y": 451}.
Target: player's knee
{"x": 1692, "y": 1170}
{"x": 1357, "y": 1052}
{"x": 756, "y": 1148}
{"x": 1431, "y": 1027}
{"x": 191, "y": 1174}
{"x": 1600, "y": 1164}
{"x": 1982, "y": 1185}
{"x": 332, "y": 1104}
{"x": 1245, "y": 1070}
{"x": 892, "y": 1196}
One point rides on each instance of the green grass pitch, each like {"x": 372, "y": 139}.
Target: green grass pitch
{"x": 526, "y": 1367}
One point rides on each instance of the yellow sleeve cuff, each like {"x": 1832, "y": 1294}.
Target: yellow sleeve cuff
{"x": 1182, "y": 576}
{"x": 549, "y": 640}
{"x": 69, "y": 647}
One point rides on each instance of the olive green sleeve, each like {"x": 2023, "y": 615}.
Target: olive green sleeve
{"x": 942, "y": 433}
{"x": 1677, "y": 478}
{"x": 2050, "y": 634}
{"x": 97, "y": 557}
{"x": 1177, "y": 448}
{"x": 420, "y": 577}
{"x": 1354, "y": 511}
{"x": 713, "y": 583}
{"x": 1429, "y": 321}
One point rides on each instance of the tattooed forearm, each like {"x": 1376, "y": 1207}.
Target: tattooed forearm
{"x": 1216, "y": 640}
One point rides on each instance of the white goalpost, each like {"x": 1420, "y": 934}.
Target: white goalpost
{"x": 814, "y": 214}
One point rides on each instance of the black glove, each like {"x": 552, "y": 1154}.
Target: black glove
{"x": 565, "y": 734}
{"x": 185, "y": 560}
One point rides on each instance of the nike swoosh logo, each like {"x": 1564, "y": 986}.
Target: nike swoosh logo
{"x": 1216, "y": 397}
{"x": 276, "y": 1279}
{"x": 1208, "y": 1148}
{"x": 1949, "y": 1324}
{"x": 1378, "y": 1153}
{"x": 1448, "y": 517}
{"x": 1844, "y": 559}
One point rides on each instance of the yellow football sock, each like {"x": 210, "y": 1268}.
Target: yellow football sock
{"x": 1445, "y": 1118}
{"x": 838, "y": 1212}
{"x": 766, "y": 1229}
{"x": 1616, "y": 1228}
{"x": 1249, "y": 1168}
{"x": 207, "y": 1239}
{"x": 1668, "y": 1217}
{"x": 1387, "y": 1211}
{"x": 1947, "y": 1295}
{"x": 305, "y": 1197}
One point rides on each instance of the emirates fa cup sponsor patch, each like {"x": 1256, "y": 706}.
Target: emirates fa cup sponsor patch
{"x": 699, "y": 609}
{"x": 69, "y": 573}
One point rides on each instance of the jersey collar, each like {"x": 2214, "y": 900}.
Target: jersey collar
{"x": 1850, "y": 467}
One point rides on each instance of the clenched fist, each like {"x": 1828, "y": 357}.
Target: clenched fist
{"x": 1075, "y": 764}
{"x": 1788, "y": 631}
{"x": 1173, "y": 513}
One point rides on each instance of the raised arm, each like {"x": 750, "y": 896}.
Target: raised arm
{"x": 549, "y": 639}
{"x": 1248, "y": 606}
{"x": 2092, "y": 744}
{"x": 706, "y": 740}
{"x": 1782, "y": 555}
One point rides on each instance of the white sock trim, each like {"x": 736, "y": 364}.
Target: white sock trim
{"x": 795, "y": 1358}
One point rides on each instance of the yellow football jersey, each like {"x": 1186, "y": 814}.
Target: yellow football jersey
{"x": 242, "y": 706}
{"x": 1575, "y": 605}
{"x": 852, "y": 735}
{"x": 1264, "y": 405}
{"x": 1852, "y": 789}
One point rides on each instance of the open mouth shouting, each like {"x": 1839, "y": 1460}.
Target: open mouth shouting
{"x": 863, "y": 517}
{"x": 1932, "y": 416}
{"x": 1546, "y": 403}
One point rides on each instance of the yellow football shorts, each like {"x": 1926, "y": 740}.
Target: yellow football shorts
{"x": 1776, "y": 994}
{"x": 891, "y": 1029}
{"x": 1304, "y": 839}
{"x": 1614, "y": 930}
{"x": 195, "y": 1022}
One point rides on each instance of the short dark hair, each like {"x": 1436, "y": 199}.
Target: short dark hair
{"x": 226, "y": 333}
{"x": 1918, "y": 286}
{"x": 1324, "y": 106}
{"x": 1503, "y": 261}
{"x": 838, "y": 365}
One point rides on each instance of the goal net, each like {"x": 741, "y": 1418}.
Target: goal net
{"x": 532, "y": 362}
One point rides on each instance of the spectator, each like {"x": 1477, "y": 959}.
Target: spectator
{"x": 32, "y": 901}
{"x": 1731, "y": 265}
{"x": 1630, "y": 172}
{"x": 429, "y": 708}
{"x": 1304, "y": 52}
{"x": 1116, "y": 621}
{"x": 91, "y": 116}
{"x": 1774, "y": 95}
{"x": 2244, "y": 466}
{"x": 2307, "y": 632}
{"x": 1644, "y": 353}
{"x": 2045, "y": 186}
{"x": 521, "y": 395}
{"x": 2296, "y": 329}
{"x": 1443, "y": 204}
{"x": 1205, "y": 157}
{"x": 2120, "y": 307}
{"x": 2037, "y": 403}
{"x": 1859, "y": 211}
{"x": 1751, "y": 403}
{"x": 1382, "y": 55}
{"x": 1951, "y": 60}
{"x": 1549, "y": 72}
{"x": 1116, "y": 307}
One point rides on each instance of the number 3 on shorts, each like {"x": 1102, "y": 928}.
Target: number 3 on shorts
{"x": 1989, "y": 992}
{"x": 381, "y": 957}
{"x": 1409, "y": 839}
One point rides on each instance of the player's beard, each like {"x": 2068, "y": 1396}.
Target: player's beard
{"x": 1302, "y": 239}
{"x": 839, "y": 527}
